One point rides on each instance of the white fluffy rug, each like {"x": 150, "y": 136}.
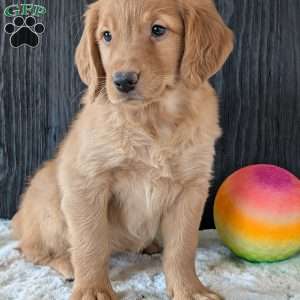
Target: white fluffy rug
{"x": 140, "y": 276}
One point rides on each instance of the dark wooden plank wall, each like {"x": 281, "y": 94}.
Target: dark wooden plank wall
{"x": 259, "y": 92}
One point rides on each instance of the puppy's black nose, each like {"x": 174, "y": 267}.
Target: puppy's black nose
{"x": 125, "y": 81}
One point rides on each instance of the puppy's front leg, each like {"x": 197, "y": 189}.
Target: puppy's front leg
{"x": 180, "y": 235}
{"x": 85, "y": 205}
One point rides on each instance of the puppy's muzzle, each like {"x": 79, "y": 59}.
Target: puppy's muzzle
{"x": 125, "y": 82}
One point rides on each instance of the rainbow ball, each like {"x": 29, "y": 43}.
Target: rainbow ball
{"x": 257, "y": 213}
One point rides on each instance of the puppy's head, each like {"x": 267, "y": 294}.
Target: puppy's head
{"x": 136, "y": 50}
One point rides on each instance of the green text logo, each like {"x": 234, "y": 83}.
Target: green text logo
{"x": 25, "y": 10}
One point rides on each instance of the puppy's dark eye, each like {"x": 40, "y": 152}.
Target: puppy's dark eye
{"x": 158, "y": 31}
{"x": 107, "y": 36}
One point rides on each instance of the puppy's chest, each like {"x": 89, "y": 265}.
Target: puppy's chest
{"x": 151, "y": 176}
{"x": 167, "y": 157}
{"x": 143, "y": 196}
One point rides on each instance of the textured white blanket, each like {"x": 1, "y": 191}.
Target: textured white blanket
{"x": 140, "y": 276}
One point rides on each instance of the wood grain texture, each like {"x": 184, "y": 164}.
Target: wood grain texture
{"x": 39, "y": 94}
{"x": 259, "y": 91}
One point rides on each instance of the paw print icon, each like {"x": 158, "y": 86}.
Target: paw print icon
{"x": 24, "y": 32}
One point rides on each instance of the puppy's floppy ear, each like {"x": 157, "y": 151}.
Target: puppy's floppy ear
{"x": 87, "y": 57}
{"x": 208, "y": 41}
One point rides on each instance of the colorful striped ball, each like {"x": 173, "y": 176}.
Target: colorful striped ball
{"x": 257, "y": 213}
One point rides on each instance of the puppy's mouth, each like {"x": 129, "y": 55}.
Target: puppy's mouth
{"x": 131, "y": 98}
{"x": 136, "y": 98}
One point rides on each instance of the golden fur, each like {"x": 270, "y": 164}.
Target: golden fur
{"x": 132, "y": 167}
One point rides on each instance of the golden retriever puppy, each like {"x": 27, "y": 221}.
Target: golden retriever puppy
{"x": 138, "y": 158}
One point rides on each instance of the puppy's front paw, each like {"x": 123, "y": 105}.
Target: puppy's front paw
{"x": 206, "y": 296}
{"x": 199, "y": 296}
{"x": 92, "y": 294}
{"x": 201, "y": 293}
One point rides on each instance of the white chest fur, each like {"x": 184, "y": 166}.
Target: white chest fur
{"x": 143, "y": 197}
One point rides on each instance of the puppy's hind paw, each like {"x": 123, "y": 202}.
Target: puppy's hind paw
{"x": 152, "y": 249}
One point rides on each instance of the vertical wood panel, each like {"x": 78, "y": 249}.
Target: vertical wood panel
{"x": 259, "y": 90}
